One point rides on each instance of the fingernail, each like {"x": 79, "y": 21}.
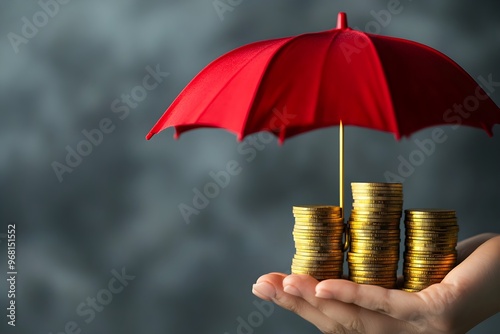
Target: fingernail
{"x": 323, "y": 293}
{"x": 264, "y": 289}
{"x": 292, "y": 290}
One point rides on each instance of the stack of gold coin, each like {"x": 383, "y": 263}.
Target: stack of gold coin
{"x": 374, "y": 233}
{"x": 431, "y": 241}
{"x": 318, "y": 234}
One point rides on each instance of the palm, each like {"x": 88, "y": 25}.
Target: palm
{"x": 341, "y": 306}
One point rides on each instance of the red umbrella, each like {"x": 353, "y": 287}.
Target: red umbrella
{"x": 340, "y": 76}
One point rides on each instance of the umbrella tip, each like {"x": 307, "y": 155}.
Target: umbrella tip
{"x": 149, "y": 135}
{"x": 342, "y": 20}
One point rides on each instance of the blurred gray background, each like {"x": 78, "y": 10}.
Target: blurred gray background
{"x": 118, "y": 208}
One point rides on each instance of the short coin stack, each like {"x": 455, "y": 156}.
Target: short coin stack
{"x": 318, "y": 235}
{"x": 431, "y": 240}
{"x": 374, "y": 233}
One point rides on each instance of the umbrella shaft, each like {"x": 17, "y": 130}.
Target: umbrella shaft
{"x": 341, "y": 166}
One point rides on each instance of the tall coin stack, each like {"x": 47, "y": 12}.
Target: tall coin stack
{"x": 431, "y": 241}
{"x": 318, "y": 234}
{"x": 374, "y": 233}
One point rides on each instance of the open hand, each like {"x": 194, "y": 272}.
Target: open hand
{"x": 469, "y": 294}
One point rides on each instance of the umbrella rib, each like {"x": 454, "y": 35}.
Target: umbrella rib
{"x": 396, "y": 129}
{"x": 229, "y": 81}
{"x": 264, "y": 72}
{"x": 322, "y": 75}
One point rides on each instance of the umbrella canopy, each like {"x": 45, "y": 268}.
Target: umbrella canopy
{"x": 336, "y": 77}
{"x": 383, "y": 83}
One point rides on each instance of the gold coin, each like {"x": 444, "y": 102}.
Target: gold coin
{"x": 323, "y": 214}
{"x": 372, "y": 275}
{"x": 339, "y": 260}
{"x": 375, "y": 200}
{"x": 373, "y": 255}
{"x": 317, "y": 269}
{"x": 373, "y": 281}
{"x": 372, "y": 227}
{"x": 314, "y": 241}
{"x": 317, "y": 208}
{"x": 451, "y": 256}
{"x": 430, "y": 255}
{"x": 376, "y": 213}
{"x": 372, "y": 219}
{"x": 318, "y": 236}
{"x": 374, "y": 247}
{"x": 381, "y": 252}
{"x": 415, "y": 267}
{"x": 423, "y": 278}
{"x": 431, "y": 235}
{"x": 316, "y": 257}
{"x": 361, "y": 271}
{"x": 432, "y": 224}
{"x": 431, "y": 231}
{"x": 370, "y": 264}
{"x": 319, "y": 276}
{"x": 313, "y": 253}
{"x": 312, "y": 229}
{"x": 376, "y": 239}
{"x": 430, "y": 249}
{"x": 431, "y": 212}
{"x": 419, "y": 224}
{"x": 382, "y": 267}
{"x": 302, "y": 246}
{"x": 370, "y": 234}
{"x": 424, "y": 266}
{"x": 424, "y": 273}
{"x": 385, "y": 207}
{"x": 317, "y": 246}
{"x": 429, "y": 238}
{"x": 432, "y": 243}
{"x": 319, "y": 220}
{"x": 367, "y": 261}
{"x": 319, "y": 225}
{"x": 326, "y": 235}
{"x": 365, "y": 185}
{"x": 314, "y": 273}
{"x": 422, "y": 282}
{"x": 431, "y": 263}
{"x": 381, "y": 212}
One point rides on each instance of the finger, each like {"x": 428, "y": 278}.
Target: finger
{"x": 395, "y": 303}
{"x": 350, "y": 317}
{"x": 263, "y": 289}
{"x": 468, "y": 246}
{"x": 305, "y": 287}
{"x": 270, "y": 287}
